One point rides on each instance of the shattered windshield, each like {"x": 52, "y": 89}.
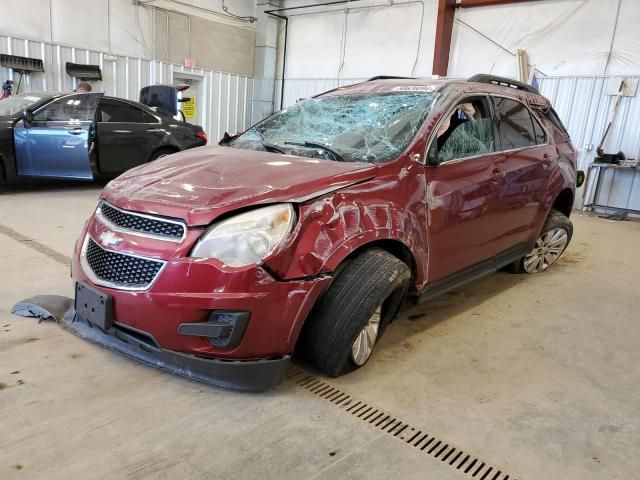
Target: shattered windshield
{"x": 356, "y": 128}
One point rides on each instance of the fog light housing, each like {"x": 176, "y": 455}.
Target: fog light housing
{"x": 224, "y": 329}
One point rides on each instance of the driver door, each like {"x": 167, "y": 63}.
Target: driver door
{"x": 58, "y": 142}
{"x": 463, "y": 193}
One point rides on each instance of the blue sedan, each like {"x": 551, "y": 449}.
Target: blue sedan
{"x": 84, "y": 136}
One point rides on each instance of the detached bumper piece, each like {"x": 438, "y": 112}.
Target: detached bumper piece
{"x": 249, "y": 375}
{"x": 246, "y": 375}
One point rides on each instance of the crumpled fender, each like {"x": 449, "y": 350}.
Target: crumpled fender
{"x": 332, "y": 227}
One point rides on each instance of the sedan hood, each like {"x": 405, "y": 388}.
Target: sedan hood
{"x": 201, "y": 184}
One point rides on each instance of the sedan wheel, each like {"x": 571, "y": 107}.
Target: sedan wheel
{"x": 363, "y": 345}
{"x": 547, "y": 250}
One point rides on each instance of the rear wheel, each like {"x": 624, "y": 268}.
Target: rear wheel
{"x": 550, "y": 245}
{"x": 350, "y": 317}
{"x": 161, "y": 152}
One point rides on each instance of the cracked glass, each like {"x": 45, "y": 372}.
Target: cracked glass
{"x": 371, "y": 127}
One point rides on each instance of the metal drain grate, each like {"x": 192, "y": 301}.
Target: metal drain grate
{"x": 35, "y": 245}
{"x": 455, "y": 457}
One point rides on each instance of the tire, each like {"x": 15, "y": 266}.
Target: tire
{"x": 161, "y": 152}
{"x": 553, "y": 240}
{"x": 372, "y": 284}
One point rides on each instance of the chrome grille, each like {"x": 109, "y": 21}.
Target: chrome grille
{"x": 143, "y": 224}
{"x": 119, "y": 270}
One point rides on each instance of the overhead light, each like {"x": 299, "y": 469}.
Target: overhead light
{"x": 110, "y": 57}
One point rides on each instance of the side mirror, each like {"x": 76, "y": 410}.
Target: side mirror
{"x": 432, "y": 154}
{"x": 27, "y": 117}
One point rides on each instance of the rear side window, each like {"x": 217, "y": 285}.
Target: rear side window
{"x": 553, "y": 117}
{"x": 518, "y": 129}
{"x": 120, "y": 112}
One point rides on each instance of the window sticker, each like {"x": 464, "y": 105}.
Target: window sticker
{"x": 415, "y": 88}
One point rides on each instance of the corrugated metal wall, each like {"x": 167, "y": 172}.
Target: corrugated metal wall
{"x": 585, "y": 108}
{"x": 226, "y": 96}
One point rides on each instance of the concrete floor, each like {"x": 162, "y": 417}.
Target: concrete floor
{"x": 535, "y": 374}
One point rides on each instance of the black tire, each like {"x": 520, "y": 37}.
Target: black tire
{"x": 554, "y": 220}
{"x": 161, "y": 152}
{"x": 373, "y": 279}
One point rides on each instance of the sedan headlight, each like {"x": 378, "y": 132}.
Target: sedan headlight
{"x": 248, "y": 237}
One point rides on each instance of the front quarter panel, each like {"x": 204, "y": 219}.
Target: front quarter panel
{"x": 390, "y": 207}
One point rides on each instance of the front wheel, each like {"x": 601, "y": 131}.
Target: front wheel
{"x": 550, "y": 245}
{"x": 350, "y": 317}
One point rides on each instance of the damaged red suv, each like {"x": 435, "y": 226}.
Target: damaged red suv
{"x": 307, "y": 231}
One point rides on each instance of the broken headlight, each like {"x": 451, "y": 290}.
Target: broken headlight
{"x": 247, "y": 238}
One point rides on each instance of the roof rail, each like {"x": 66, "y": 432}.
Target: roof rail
{"x": 503, "y": 82}
{"x": 388, "y": 77}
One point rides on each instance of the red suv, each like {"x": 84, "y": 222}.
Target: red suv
{"x": 308, "y": 230}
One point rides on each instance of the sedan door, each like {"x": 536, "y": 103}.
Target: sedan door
{"x": 127, "y": 135}
{"x": 58, "y": 142}
{"x": 463, "y": 196}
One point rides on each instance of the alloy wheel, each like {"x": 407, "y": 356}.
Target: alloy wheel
{"x": 547, "y": 250}
{"x": 363, "y": 345}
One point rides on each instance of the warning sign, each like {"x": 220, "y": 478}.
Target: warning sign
{"x": 189, "y": 108}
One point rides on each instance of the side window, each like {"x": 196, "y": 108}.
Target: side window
{"x": 516, "y": 125}
{"x": 78, "y": 108}
{"x": 553, "y": 117}
{"x": 467, "y": 133}
{"x": 541, "y": 137}
{"x": 112, "y": 111}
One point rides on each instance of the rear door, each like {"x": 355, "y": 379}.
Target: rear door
{"x": 528, "y": 159}
{"x": 463, "y": 196}
{"x": 127, "y": 135}
{"x": 59, "y": 140}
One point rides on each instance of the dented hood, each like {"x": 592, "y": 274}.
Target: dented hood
{"x": 200, "y": 184}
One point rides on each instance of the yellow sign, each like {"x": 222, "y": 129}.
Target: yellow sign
{"x": 189, "y": 108}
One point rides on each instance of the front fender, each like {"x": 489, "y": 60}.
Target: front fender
{"x": 333, "y": 227}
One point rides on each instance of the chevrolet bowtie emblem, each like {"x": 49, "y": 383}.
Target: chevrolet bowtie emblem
{"x": 109, "y": 239}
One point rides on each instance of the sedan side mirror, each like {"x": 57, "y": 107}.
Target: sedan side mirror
{"x": 27, "y": 117}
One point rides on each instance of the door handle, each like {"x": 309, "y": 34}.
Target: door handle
{"x": 75, "y": 131}
{"x": 546, "y": 160}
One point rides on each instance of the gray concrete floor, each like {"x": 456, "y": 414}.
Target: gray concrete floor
{"x": 535, "y": 374}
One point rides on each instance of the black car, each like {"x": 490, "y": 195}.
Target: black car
{"x": 85, "y": 136}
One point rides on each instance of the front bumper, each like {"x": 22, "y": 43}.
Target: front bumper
{"x": 159, "y": 326}
{"x": 248, "y": 375}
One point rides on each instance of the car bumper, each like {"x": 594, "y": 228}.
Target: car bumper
{"x": 248, "y": 375}
{"x": 161, "y": 325}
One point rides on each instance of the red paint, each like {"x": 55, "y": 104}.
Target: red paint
{"x": 447, "y": 217}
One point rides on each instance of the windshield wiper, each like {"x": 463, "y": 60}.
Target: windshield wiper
{"x": 322, "y": 146}
{"x": 269, "y": 147}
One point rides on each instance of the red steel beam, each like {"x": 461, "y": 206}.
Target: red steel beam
{"x": 444, "y": 28}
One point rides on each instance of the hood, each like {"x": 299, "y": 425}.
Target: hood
{"x": 200, "y": 184}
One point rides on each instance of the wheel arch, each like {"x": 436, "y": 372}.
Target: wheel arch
{"x": 564, "y": 201}
{"x": 167, "y": 148}
{"x": 393, "y": 246}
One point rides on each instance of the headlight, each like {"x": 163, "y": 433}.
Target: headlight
{"x": 248, "y": 237}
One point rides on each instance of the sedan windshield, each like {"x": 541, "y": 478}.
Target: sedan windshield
{"x": 357, "y": 128}
{"x": 11, "y": 106}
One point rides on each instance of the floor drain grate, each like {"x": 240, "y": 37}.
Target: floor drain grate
{"x": 451, "y": 455}
{"x": 35, "y": 245}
